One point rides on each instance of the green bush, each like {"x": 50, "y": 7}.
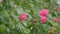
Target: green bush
{"x": 10, "y": 11}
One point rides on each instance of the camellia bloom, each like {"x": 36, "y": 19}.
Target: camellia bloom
{"x": 23, "y": 17}
{"x": 56, "y": 20}
{"x": 43, "y": 19}
{"x": 44, "y": 12}
{"x": 58, "y": 8}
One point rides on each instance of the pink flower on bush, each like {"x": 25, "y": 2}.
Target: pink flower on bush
{"x": 23, "y": 17}
{"x": 58, "y": 8}
{"x": 56, "y": 20}
{"x": 44, "y": 12}
{"x": 43, "y": 19}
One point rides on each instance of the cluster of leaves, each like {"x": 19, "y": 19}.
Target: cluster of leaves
{"x": 10, "y": 11}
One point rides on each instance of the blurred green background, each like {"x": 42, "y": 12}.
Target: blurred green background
{"x": 10, "y": 10}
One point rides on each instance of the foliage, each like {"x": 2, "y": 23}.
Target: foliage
{"x": 10, "y": 11}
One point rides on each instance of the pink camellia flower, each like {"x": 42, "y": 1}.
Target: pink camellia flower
{"x": 56, "y": 20}
{"x": 23, "y": 17}
{"x": 44, "y": 12}
{"x": 43, "y": 19}
{"x": 58, "y": 8}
